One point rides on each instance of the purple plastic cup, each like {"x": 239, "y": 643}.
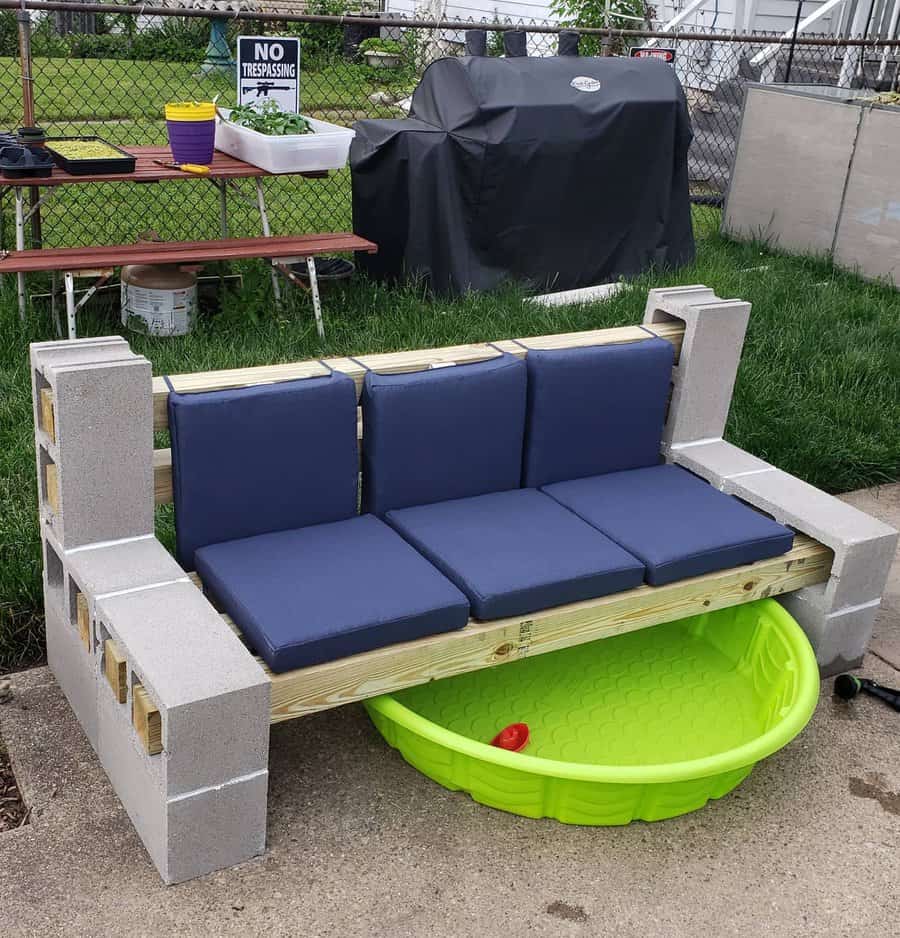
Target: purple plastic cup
{"x": 192, "y": 131}
{"x": 192, "y": 141}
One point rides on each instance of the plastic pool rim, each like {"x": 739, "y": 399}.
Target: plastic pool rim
{"x": 743, "y": 756}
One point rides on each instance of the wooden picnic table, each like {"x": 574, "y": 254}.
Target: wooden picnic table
{"x": 225, "y": 173}
{"x": 223, "y": 167}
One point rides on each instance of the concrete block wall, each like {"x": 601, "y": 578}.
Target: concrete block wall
{"x": 199, "y": 804}
{"x": 838, "y": 616}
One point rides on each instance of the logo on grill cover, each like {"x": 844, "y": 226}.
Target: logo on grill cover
{"x": 583, "y": 83}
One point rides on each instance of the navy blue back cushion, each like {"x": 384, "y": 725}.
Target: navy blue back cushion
{"x": 445, "y": 433}
{"x": 595, "y": 410}
{"x": 249, "y": 461}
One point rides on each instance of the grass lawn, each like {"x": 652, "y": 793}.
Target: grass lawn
{"x": 70, "y": 92}
{"x": 817, "y": 394}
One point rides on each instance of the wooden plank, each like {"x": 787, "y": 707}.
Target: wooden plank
{"x": 146, "y": 170}
{"x": 162, "y": 476}
{"x": 51, "y": 481}
{"x": 397, "y": 362}
{"x": 48, "y": 420}
{"x": 181, "y": 252}
{"x": 116, "y": 669}
{"x": 147, "y": 720}
{"x": 83, "y": 617}
{"x": 488, "y": 644}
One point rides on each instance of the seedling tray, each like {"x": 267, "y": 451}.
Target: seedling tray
{"x": 645, "y": 725}
{"x": 96, "y": 166}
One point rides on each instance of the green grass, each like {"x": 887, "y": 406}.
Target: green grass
{"x": 69, "y": 92}
{"x": 817, "y": 393}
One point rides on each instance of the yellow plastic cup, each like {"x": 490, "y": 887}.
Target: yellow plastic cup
{"x": 191, "y": 111}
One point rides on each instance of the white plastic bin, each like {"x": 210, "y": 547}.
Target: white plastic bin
{"x": 327, "y": 148}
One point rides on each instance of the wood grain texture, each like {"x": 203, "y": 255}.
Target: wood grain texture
{"x": 399, "y": 362}
{"x": 146, "y": 170}
{"x": 83, "y": 617}
{"x": 181, "y": 252}
{"x": 147, "y": 720}
{"x": 51, "y": 481}
{"x": 48, "y": 419}
{"x": 115, "y": 668}
{"x": 488, "y": 644}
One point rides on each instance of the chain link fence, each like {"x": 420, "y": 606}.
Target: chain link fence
{"x": 108, "y": 71}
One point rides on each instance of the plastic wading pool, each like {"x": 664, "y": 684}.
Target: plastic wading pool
{"x": 645, "y": 725}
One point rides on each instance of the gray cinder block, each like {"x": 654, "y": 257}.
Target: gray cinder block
{"x": 212, "y": 695}
{"x": 200, "y": 803}
{"x": 836, "y": 615}
{"x": 102, "y": 455}
{"x": 189, "y": 834}
{"x": 839, "y": 638}
{"x": 703, "y": 380}
{"x": 863, "y": 546}
{"x": 216, "y": 828}
{"x": 715, "y": 460}
{"x": 73, "y": 667}
{"x": 109, "y": 568}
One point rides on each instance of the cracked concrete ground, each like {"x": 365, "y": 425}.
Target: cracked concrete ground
{"x": 360, "y": 844}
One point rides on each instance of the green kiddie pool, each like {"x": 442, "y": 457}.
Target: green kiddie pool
{"x": 645, "y": 725}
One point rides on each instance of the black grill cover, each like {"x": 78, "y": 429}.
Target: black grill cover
{"x": 527, "y": 169}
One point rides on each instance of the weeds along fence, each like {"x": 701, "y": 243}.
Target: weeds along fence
{"x": 108, "y": 70}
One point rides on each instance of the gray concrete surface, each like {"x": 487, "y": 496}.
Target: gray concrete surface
{"x": 360, "y": 844}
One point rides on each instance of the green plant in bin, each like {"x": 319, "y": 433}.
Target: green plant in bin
{"x": 374, "y": 44}
{"x": 269, "y": 119}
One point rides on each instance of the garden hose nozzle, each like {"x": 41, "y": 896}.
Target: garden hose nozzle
{"x": 848, "y": 686}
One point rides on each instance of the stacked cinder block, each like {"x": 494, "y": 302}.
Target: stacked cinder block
{"x": 175, "y": 706}
{"x": 838, "y": 616}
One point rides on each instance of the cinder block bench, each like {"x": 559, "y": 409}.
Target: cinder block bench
{"x": 517, "y": 497}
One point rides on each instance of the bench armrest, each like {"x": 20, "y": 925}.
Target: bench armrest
{"x": 839, "y": 615}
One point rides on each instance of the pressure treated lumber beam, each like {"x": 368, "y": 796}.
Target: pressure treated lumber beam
{"x": 115, "y": 668}
{"x": 487, "y": 644}
{"x": 398, "y": 362}
{"x": 48, "y": 421}
{"x": 147, "y": 720}
{"x": 51, "y": 482}
{"x": 83, "y": 616}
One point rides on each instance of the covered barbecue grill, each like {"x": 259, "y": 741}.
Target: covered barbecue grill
{"x": 561, "y": 172}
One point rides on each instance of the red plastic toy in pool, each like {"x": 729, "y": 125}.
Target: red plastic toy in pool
{"x": 513, "y": 737}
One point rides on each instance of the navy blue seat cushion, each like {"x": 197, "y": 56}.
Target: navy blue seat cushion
{"x": 594, "y": 410}
{"x": 516, "y": 552}
{"x": 677, "y": 524}
{"x": 252, "y": 460}
{"x": 440, "y": 434}
{"x": 315, "y": 594}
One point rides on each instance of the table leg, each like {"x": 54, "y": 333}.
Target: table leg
{"x": 314, "y": 290}
{"x": 20, "y": 246}
{"x": 267, "y": 232}
{"x": 70, "y": 302}
{"x": 223, "y": 207}
{"x": 54, "y": 303}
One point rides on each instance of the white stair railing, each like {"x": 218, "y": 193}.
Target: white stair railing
{"x": 770, "y": 51}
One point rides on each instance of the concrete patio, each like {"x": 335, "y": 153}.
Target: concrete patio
{"x": 360, "y": 844}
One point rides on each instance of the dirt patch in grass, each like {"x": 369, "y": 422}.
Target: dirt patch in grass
{"x": 13, "y": 812}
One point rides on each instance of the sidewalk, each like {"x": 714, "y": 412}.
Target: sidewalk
{"x": 360, "y": 844}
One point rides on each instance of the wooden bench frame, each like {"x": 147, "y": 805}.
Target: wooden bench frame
{"x": 141, "y": 685}
{"x": 100, "y": 262}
